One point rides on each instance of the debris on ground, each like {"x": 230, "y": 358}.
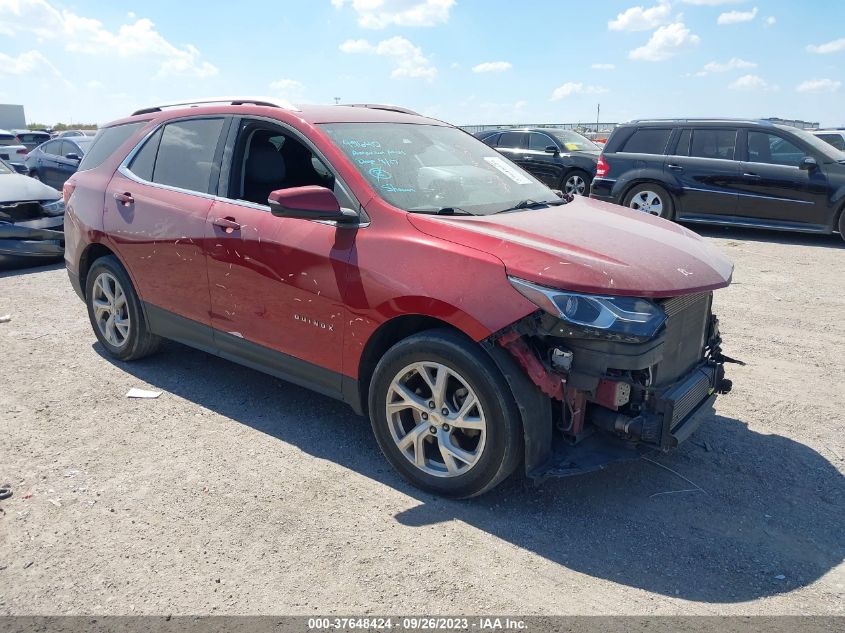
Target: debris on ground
{"x": 142, "y": 393}
{"x": 5, "y": 491}
{"x": 5, "y": 318}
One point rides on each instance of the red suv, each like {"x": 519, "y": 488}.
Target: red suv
{"x": 396, "y": 263}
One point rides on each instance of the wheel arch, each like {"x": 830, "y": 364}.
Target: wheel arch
{"x": 92, "y": 252}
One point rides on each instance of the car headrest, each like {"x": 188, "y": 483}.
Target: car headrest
{"x": 265, "y": 164}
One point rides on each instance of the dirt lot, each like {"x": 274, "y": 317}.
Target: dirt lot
{"x": 237, "y": 493}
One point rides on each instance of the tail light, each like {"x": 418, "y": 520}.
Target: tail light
{"x": 67, "y": 190}
{"x": 602, "y": 168}
{"x": 22, "y": 150}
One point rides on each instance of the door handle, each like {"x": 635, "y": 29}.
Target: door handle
{"x": 229, "y": 224}
{"x": 124, "y": 198}
{"x": 674, "y": 167}
{"x": 751, "y": 174}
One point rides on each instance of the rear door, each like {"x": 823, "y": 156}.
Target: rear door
{"x": 704, "y": 168}
{"x": 514, "y": 145}
{"x": 47, "y": 164}
{"x": 546, "y": 166}
{"x": 774, "y": 188}
{"x": 155, "y": 211}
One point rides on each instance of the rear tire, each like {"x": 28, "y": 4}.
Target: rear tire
{"x": 115, "y": 312}
{"x": 842, "y": 223}
{"x": 444, "y": 416}
{"x": 652, "y": 199}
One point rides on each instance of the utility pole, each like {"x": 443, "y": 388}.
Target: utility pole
{"x": 598, "y": 117}
{"x": 336, "y": 100}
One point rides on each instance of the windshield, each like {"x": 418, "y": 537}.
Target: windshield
{"x": 818, "y": 144}
{"x": 427, "y": 168}
{"x": 5, "y": 168}
{"x": 574, "y": 142}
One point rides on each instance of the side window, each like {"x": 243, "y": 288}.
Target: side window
{"x": 647, "y": 141}
{"x": 772, "y": 149}
{"x": 683, "y": 143}
{"x": 837, "y": 140}
{"x": 52, "y": 148}
{"x": 267, "y": 159}
{"x": 69, "y": 147}
{"x": 512, "y": 139}
{"x": 712, "y": 143}
{"x": 106, "y": 142}
{"x": 539, "y": 142}
{"x": 144, "y": 162}
{"x": 186, "y": 154}
{"x": 491, "y": 140}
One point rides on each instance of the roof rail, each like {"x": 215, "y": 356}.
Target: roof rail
{"x": 261, "y": 101}
{"x": 702, "y": 120}
{"x": 382, "y": 106}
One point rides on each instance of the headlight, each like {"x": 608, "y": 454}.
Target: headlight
{"x": 56, "y": 207}
{"x": 595, "y": 315}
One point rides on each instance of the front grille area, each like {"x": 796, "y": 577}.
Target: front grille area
{"x": 688, "y": 318}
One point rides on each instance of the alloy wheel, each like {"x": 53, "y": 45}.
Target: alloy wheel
{"x": 575, "y": 185}
{"x": 647, "y": 202}
{"x": 436, "y": 419}
{"x": 111, "y": 310}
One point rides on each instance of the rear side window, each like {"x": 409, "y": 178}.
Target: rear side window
{"x": 837, "y": 140}
{"x": 181, "y": 154}
{"x": 683, "y": 143}
{"x": 712, "y": 143}
{"x": 491, "y": 140}
{"x": 107, "y": 141}
{"x": 512, "y": 139}
{"x": 647, "y": 141}
{"x": 53, "y": 148}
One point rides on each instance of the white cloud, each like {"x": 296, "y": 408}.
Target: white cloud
{"x": 640, "y": 18}
{"x": 734, "y": 63}
{"x": 492, "y": 67}
{"x": 576, "y": 88}
{"x": 408, "y": 59}
{"x": 833, "y": 46}
{"x": 736, "y": 17}
{"x": 818, "y": 86}
{"x": 287, "y": 88}
{"x": 769, "y": 21}
{"x": 603, "y": 66}
{"x": 378, "y": 14}
{"x": 25, "y": 63}
{"x": 80, "y": 34}
{"x": 666, "y": 42}
{"x": 711, "y": 3}
{"x": 752, "y": 83}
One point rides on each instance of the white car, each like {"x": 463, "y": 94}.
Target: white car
{"x": 12, "y": 151}
{"x": 834, "y": 137}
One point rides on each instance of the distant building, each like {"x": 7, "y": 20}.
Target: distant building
{"x": 804, "y": 125}
{"x": 12, "y": 117}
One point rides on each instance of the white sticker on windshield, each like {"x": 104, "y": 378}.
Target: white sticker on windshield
{"x": 507, "y": 170}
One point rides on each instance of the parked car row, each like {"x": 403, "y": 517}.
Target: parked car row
{"x": 727, "y": 172}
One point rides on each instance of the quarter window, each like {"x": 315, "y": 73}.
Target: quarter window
{"x": 683, "y": 143}
{"x": 772, "y": 149}
{"x": 712, "y": 143}
{"x": 647, "y": 141}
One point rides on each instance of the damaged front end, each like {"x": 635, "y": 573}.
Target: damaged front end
{"x": 622, "y": 375}
{"x": 31, "y": 232}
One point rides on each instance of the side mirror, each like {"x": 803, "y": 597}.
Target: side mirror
{"x": 73, "y": 156}
{"x": 551, "y": 149}
{"x": 808, "y": 163}
{"x": 308, "y": 203}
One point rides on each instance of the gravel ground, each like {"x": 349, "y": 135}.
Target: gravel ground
{"x": 237, "y": 493}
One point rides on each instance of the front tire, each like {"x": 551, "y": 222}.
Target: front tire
{"x": 652, "y": 199}
{"x": 444, "y": 416}
{"x": 115, "y": 311}
{"x": 577, "y": 183}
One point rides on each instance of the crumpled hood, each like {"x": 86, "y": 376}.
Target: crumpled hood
{"x": 20, "y": 188}
{"x": 590, "y": 246}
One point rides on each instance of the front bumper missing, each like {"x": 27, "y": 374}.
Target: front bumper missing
{"x": 681, "y": 408}
{"x": 31, "y": 242}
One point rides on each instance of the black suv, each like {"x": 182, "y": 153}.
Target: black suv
{"x": 561, "y": 159}
{"x": 731, "y": 172}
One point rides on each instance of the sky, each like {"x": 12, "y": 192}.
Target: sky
{"x": 463, "y": 61}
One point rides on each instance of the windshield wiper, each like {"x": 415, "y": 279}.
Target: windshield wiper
{"x": 443, "y": 211}
{"x": 528, "y": 204}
